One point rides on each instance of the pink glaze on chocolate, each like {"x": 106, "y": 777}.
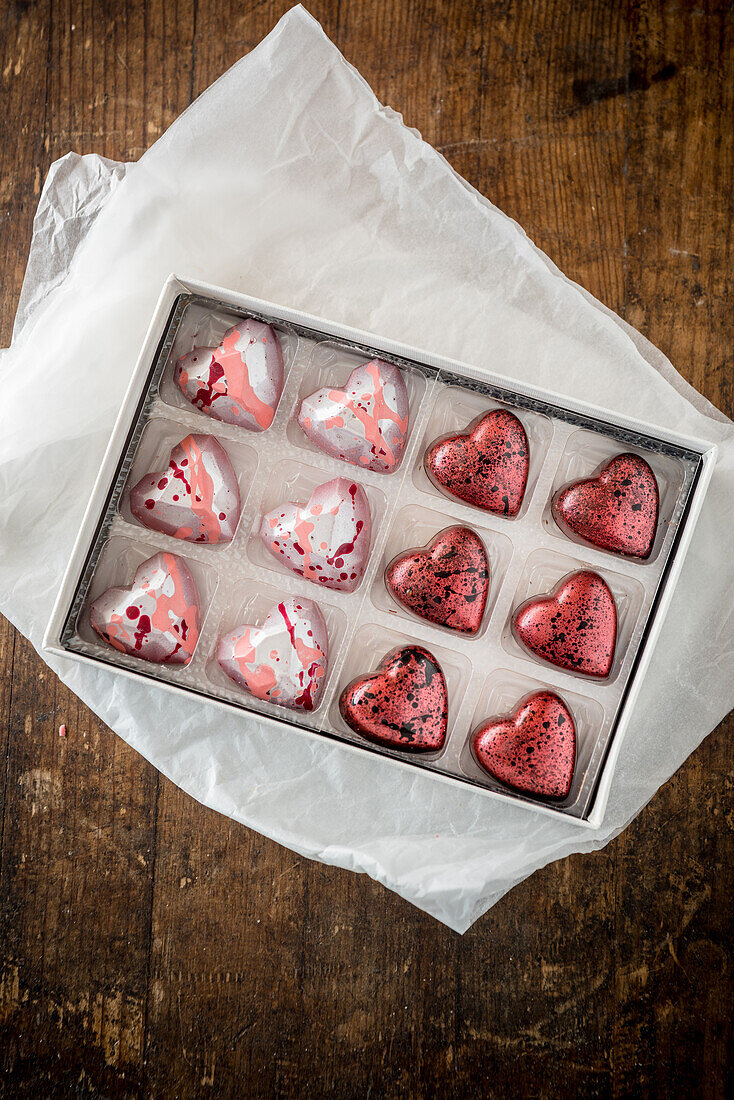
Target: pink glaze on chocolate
{"x": 575, "y": 627}
{"x": 196, "y": 498}
{"x": 240, "y": 381}
{"x": 157, "y": 617}
{"x": 285, "y": 660}
{"x": 327, "y": 540}
{"x": 366, "y": 423}
{"x": 532, "y": 750}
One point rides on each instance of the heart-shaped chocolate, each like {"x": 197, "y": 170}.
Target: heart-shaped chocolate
{"x": 403, "y": 704}
{"x": 532, "y": 750}
{"x": 240, "y": 381}
{"x": 616, "y": 509}
{"x": 284, "y": 660}
{"x": 197, "y": 498}
{"x": 486, "y": 466}
{"x": 327, "y": 540}
{"x": 157, "y": 617}
{"x": 366, "y": 423}
{"x": 575, "y": 627}
{"x": 446, "y": 582}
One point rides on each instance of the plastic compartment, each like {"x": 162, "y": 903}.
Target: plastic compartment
{"x": 453, "y": 412}
{"x": 500, "y": 695}
{"x": 542, "y": 572}
{"x": 292, "y": 481}
{"x": 204, "y": 328}
{"x": 584, "y": 453}
{"x": 158, "y": 439}
{"x": 329, "y": 363}
{"x": 415, "y": 526}
{"x": 249, "y": 601}
{"x": 368, "y": 646}
{"x": 118, "y": 561}
{"x": 488, "y": 673}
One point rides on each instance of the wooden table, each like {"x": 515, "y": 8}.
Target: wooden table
{"x": 153, "y": 948}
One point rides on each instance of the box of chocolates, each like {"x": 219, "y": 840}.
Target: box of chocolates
{"x": 369, "y": 543}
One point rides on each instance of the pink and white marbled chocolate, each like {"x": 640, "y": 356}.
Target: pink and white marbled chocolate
{"x": 285, "y": 660}
{"x": 157, "y": 617}
{"x": 240, "y": 381}
{"x": 366, "y": 423}
{"x": 196, "y": 498}
{"x": 326, "y": 540}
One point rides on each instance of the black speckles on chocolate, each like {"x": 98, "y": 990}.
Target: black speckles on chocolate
{"x": 402, "y": 705}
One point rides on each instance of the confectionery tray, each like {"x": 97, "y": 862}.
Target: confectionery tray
{"x": 487, "y": 673}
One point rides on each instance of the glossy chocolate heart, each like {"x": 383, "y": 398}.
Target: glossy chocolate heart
{"x": 616, "y": 509}
{"x": 486, "y": 466}
{"x": 366, "y": 423}
{"x": 532, "y": 750}
{"x": 240, "y": 381}
{"x": 197, "y": 498}
{"x": 575, "y": 627}
{"x": 157, "y": 617}
{"x": 446, "y": 582}
{"x": 285, "y": 660}
{"x": 403, "y": 704}
{"x": 327, "y": 540}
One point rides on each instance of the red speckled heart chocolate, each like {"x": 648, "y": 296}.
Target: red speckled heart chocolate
{"x": 403, "y": 705}
{"x": 532, "y": 750}
{"x": 486, "y": 467}
{"x": 447, "y": 582}
{"x": 617, "y": 509}
{"x": 575, "y": 627}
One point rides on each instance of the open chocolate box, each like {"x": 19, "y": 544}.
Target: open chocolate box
{"x": 488, "y": 672}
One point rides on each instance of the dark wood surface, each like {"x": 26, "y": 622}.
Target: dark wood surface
{"x": 153, "y": 948}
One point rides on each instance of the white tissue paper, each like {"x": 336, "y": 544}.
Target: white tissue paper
{"x": 287, "y": 180}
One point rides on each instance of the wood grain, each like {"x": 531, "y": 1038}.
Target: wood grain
{"x": 151, "y": 948}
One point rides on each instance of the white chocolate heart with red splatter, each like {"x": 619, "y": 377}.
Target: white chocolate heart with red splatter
{"x": 196, "y": 499}
{"x": 157, "y": 617}
{"x": 327, "y": 541}
{"x": 285, "y": 660}
{"x": 239, "y": 382}
{"x": 366, "y": 423}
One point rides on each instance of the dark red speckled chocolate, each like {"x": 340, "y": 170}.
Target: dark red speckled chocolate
{"x": 403, "y": 705}
{"x": 446, "y": 583}
{"x": 575, "y": 627}
{"x": 486, "y": 466}
{"x": 532, "y": 750}
{"x": 616, "y": 509}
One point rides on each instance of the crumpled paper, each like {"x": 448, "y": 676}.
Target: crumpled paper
{"x": 289, "y": 181}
